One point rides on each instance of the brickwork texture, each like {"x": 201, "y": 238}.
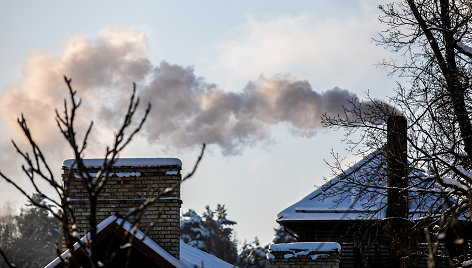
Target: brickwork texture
{"x": 122, "y": 193}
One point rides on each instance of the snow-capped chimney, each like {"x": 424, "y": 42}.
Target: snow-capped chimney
{"x": 131, "y": 182}
{"x": 397, "y": 167}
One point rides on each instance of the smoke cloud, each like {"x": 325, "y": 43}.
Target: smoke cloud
{"x": 186, "y": 110}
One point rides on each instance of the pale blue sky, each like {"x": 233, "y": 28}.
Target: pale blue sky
{"x": 227, "y": 43}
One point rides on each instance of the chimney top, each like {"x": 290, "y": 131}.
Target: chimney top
{"x": 127, "y": 162}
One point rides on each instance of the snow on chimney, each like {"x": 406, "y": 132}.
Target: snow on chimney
{"x": 131, "y": 182}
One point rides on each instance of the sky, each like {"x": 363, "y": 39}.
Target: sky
{"x": 250, "y": 78}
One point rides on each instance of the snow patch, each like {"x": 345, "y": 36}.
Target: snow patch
{"x": 465, "y": 47}
{"x": 467, "y": 263}
{"x": 127, "y": 162}
{"x": 111, "y": 174}
{"x": 293, "y": 250}
{"x": 315, "y": 256}
{"x": 305, "y": 246}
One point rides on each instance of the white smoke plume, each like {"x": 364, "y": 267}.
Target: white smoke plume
{"x": 186, "y": 110}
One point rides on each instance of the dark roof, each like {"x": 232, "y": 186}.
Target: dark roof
{"x": 146, "y": 252}
{"x": 111, "y": 233}
{"x": 360, "y": 193}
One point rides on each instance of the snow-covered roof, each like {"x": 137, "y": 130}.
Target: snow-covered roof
{"x": 136, "y": 232}
{"x": 128, "y": 162}
{"x": 192, "y": 257}
{"x": 358, "y": 193}
{"x": 189, "y": 257}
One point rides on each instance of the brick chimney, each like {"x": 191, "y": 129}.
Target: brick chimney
{"x": 131, "y": 182}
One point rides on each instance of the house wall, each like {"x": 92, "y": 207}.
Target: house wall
{"x": 353, "y": 253}
{"x": 128, "y": 188}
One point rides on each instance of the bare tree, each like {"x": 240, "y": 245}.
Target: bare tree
{"x": 38, "y": 171}
{"x": 433, "y": 41}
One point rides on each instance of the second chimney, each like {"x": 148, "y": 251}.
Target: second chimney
{"x": 397, "y": 167}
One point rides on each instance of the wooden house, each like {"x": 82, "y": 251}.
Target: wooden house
{"x": 353, "y": 209}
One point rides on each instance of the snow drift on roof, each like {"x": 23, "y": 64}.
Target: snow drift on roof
{"x": 192, "y": 257}
{"x": 358, "y": 193}
{"x": 128, "y": 162}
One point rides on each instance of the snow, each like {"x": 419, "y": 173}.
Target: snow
{"x": 192, "y": 257}
{"x": 123, "y": 199}
{"x": 467, "y": 263}
{"x": 338, "y": 199}
{"x": 455, "y": 183}
{"x": 128, "y": 162}
{"x": 305, "y": 247}
{"x": 314, "y": 257}
{"x": 134, "y": 231}
{"x": 293, "y": 250}
{"x": 465, "y": 47}
{"x": 189, "y": 256}
{"x": 111, "y": 174}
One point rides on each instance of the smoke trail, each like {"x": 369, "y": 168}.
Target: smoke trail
{"x": 186, "y": 110}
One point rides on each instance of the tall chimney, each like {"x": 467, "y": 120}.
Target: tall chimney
{"x": 131, "y": 182}
{"x": 397, "y": 167}
{"x": 397, "y": 226}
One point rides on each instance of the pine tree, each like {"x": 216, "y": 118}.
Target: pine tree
{"x": 282, "y": 236}
{"x": 212, "y": 232}
{"x": 253, "y": 255}
{"x": 192, "y": 230}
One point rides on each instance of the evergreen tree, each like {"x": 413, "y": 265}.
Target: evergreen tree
{"x": 29, "y": 238}
{"x": 282, "y": 236}
{"x": 192, "y": 230}
{"x": 253, "y": 255}
{"x": 212, "y": 232}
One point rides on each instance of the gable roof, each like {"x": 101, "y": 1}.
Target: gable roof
{"x": 189, "y": 256}
{"x": 143, "y": 242}
{"x": 360, "y": 193}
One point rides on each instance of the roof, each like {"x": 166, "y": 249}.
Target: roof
{"x": 147, "y": 245}
{"x": 189, "y": 256}
{"x": 192, "y": 257}
{"x": 360, "y": 193}
{"x": 128, "y": 162}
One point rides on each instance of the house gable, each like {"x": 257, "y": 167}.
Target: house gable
{"x": 115, "y": 234}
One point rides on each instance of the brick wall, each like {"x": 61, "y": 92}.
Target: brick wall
{"x": 303, "y": 258}
{"x": 127, "y": 188}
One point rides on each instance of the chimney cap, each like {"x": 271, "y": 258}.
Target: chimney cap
{"x": 127, "y": 162}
